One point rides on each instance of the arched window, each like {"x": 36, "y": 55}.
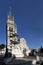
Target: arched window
{"x": 11, "y": 29}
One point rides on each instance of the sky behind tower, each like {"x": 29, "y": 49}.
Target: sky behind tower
{"x": 28, "y": 16}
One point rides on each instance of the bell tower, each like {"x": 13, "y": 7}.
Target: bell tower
{"x": 11, "y": 32}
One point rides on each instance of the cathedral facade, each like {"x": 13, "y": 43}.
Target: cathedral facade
{"x": 17, "y": 47}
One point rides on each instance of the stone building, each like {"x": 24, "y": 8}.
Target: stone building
{"x": 15, "y": 46}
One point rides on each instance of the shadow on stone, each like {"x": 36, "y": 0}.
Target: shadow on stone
{"x": 7, "y": 54}
{"x": 41, "y": 63}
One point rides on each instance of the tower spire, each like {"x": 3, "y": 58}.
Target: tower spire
{"x": 10, "y": 17}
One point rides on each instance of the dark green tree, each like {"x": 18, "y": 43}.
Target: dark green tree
{"x": 41, "y": 49}
{"x": 2, "y": 46}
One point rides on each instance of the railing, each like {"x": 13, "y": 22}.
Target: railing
{"x": 13, "y": 35}
{"x": 14, "y": 42}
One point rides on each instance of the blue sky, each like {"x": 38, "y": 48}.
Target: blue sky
{"x": 28, "y": 16}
